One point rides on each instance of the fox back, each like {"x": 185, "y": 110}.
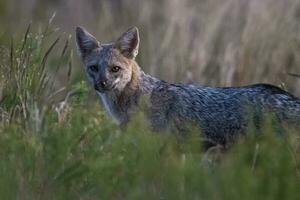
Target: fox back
{"x": 221, "y": 113}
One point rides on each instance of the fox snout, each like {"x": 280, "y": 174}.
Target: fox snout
{"x": 102, "y": 86}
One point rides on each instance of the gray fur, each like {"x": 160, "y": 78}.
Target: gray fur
{"x": 221, "y": 113}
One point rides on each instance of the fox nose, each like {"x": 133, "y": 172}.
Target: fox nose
{"x": 103, "y": 84}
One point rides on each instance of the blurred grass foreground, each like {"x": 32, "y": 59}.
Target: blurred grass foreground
{"x": 57, "y": 143}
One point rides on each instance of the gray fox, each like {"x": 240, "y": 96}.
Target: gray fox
{"x": 221, "y": 113}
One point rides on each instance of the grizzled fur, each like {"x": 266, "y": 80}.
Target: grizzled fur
{"x": 222, "y": 113}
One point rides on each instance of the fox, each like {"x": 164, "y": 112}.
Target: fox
{"x": 221, "y": 113}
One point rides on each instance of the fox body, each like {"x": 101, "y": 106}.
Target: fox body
{"x": 222, "y": 113}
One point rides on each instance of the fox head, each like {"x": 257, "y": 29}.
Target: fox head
{"x": 109, "y": 67}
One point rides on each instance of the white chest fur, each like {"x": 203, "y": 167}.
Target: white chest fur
{"x": 112, "y": 108}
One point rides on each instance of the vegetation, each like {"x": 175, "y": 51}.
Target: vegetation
{"x": 68, "y": 149}
{"x": 56, "y": 142}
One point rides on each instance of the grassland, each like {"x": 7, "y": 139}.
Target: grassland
{"x": 53, "y": 147}
{"x": 56, "y": 142}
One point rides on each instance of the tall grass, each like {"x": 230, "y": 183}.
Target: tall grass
{"x": 27, "y": 83}
{"x": 83, "y": 155}
{"x": 215, "y": 42}
{"x": 57, "y": 143}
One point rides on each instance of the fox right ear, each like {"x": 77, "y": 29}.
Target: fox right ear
{"x": 85, "y": 41}
{"x": 128, "y": 43}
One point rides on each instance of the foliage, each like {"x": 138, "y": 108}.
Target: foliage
{"x": 82, "y": 155}
{"x": 87, "y": 157}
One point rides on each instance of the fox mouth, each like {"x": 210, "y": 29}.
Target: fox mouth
{"x": 102, "y": 90}
{"x": 106, "y": 89}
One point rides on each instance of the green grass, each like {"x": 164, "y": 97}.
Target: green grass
{"x": 78, "y": 153}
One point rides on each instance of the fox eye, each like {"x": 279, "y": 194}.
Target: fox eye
{"x": 115, "y": 68}
{"x": 94, "y": 68}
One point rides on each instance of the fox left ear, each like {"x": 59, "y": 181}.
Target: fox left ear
{"x": 128, "y": 43}
{"x": 85, "y": 41}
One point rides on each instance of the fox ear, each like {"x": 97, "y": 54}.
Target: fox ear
{"x": 128, "y": 43}
{"x": 85, "y": 41}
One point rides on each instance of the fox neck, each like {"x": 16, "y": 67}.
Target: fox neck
{"x": 120, "y": 104}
